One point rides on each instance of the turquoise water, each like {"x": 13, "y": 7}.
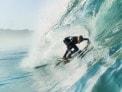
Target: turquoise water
{"x": 99, "y": 71}
{"x": 103, "y": 21}
{"x": 12, "y": 77}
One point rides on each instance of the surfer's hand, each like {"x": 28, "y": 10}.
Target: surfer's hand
{"x": 89, "y": 42}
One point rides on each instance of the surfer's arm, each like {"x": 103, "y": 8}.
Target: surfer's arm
{"x": 87, "y": 40}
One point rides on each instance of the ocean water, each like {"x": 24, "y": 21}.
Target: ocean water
{"x": 12, "y": 77}
{"x": 100, "y": 70}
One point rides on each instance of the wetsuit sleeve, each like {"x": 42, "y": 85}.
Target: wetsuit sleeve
{"x": 86, "y": 39}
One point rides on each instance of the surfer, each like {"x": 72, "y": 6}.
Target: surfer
{"x": 71, "y": 42}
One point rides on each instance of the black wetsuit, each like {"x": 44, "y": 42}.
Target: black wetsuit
{"x": 71, "y": 43}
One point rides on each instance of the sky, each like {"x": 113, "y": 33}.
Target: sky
{"x": 22, "y": 14}
{"x": 19, "y": 14}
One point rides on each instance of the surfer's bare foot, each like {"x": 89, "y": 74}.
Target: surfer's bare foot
{"x": 65, "y": 58}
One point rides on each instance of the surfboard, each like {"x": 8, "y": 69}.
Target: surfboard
{"x": 79, "y": 55}
{"x": 63, "y": 60}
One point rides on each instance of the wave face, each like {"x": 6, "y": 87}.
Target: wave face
{"x": 101, "y": 21}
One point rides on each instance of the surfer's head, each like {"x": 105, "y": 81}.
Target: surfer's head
{"x": 80, "y": 38}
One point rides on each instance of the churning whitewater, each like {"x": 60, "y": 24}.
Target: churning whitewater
{"x": 100, "y": 70}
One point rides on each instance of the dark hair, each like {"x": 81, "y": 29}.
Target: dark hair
{"x": 67, "y": 41}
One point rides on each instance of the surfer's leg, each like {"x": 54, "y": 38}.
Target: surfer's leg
{"x": 65, "y": 54}
{"x": 75, "y": 50}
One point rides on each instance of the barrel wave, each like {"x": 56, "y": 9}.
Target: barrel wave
{"x": 101, "y": 69}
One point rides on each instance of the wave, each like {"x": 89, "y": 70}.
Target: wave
{"x": 101, "y": 21}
